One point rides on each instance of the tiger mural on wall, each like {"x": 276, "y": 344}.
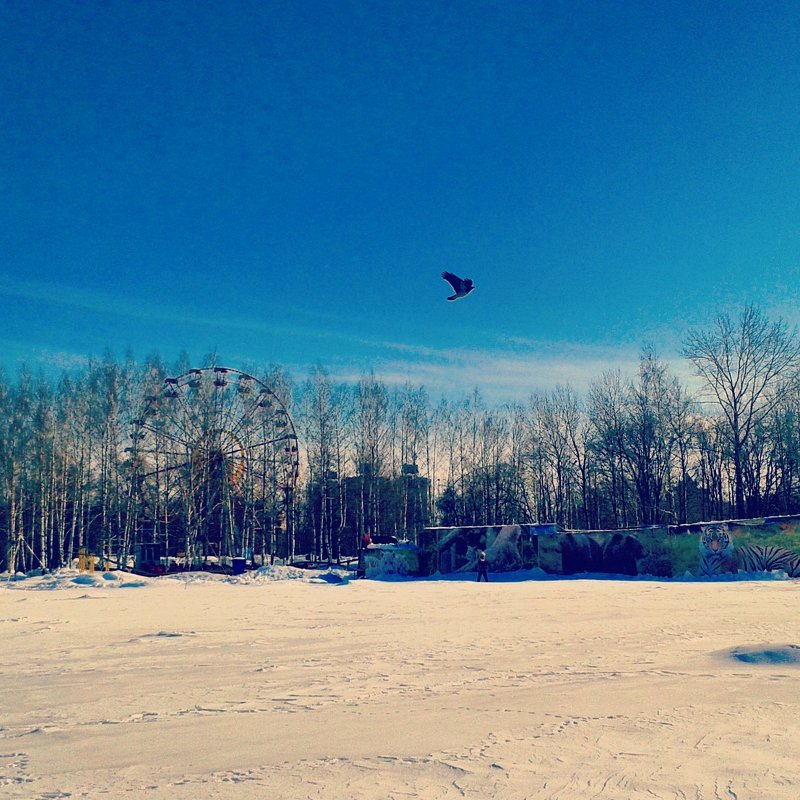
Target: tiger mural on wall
{"x": 716, "y": 550}
{"x": 768, "y": 558}
{"x": 719, "y": 555}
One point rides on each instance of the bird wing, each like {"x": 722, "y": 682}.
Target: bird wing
{"x": 454, "y": 281}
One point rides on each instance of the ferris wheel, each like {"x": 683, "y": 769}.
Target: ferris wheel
{"x": 215, "y": 462}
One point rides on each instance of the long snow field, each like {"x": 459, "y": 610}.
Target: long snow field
{"x": 285, "y": 684}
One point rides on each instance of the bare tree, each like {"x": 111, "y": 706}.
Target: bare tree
{"x": 749, "y": 364}
{"x": 649, "y": 439}
{"x": 414, "y": 433}
{"x": 492, "y": 474}
{"x": 606, "y": 409}
{"x": 559, "y": 419}
{"x": 322, "y": 420}
{"x": 682, "y": 420}
{"x": 370, "y": 433}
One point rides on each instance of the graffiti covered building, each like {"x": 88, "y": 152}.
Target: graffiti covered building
{"x": 700, "y": 549}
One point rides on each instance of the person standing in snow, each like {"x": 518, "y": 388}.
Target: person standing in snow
{"x": 483, "y": 567}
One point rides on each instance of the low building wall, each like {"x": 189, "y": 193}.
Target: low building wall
{"x": 390, "y": 560}
{"x": 700, "y": 549}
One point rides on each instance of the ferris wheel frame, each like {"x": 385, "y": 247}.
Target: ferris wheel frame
{"x": 215, "y": 461}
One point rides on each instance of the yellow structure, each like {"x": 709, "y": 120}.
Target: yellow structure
{"x": 86, "y": 560}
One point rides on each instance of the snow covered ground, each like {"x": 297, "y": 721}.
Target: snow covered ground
{"x": 291, "y": 684}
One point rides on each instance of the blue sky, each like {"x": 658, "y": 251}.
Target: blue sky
{"x": 284, "y": 182}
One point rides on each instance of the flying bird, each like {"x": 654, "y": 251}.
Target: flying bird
{"x": 461, "y": 286}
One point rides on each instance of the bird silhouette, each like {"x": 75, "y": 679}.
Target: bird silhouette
{"x": 461, "y": 286}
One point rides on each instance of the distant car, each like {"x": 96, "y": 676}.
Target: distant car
{"x": 384, "y": 540}
{"x": 305, "y": 563}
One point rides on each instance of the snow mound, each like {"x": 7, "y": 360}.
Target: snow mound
{"x": 267, "y": 574}
{"x": 278, "y": 572}
{"x": 73, "y": 579}
{"x": 337, "y": 577}
{"x": 64, "y": 579}
{"x": 275, "y": 572}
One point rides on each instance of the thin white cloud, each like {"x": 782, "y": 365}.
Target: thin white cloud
{"x": 18, "y": 353}
{"x": 510, "y": 369}
{"x": 499, "y": 375}
{"x": 119, "y": 304}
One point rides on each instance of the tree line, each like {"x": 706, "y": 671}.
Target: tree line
{"x": 381, "y": 461}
